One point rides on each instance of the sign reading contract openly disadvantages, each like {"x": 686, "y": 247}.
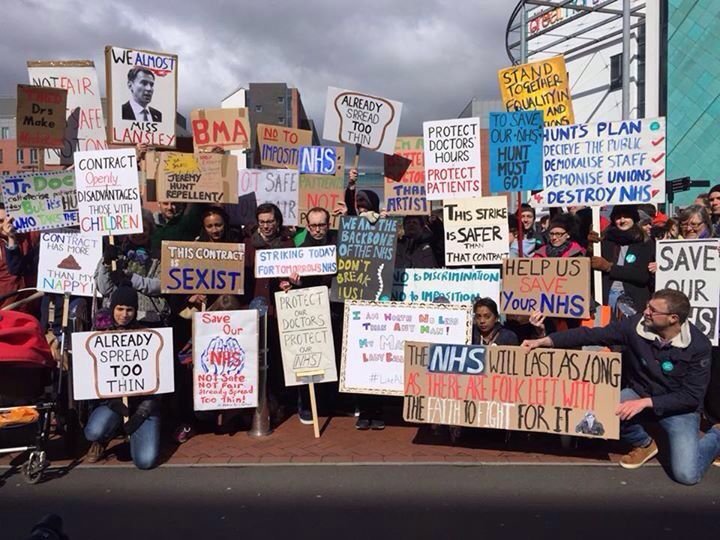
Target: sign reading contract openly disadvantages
{"x": 119, "y": 364}
{"x": 202, "y": 268}
{"x": 305, "y": 261}
{"x": 41, "y": 200}
{"x": 356, "y": 118}
{"x": 108, "y": 192}
{"x": 452, "y": 158}
{"x": 40, "y": 117}
{"x": 476, "y": 231}
{"x": 557, "y": 287}
{"x": 543, "y": 390}
{"x": 227, "y": 128}
{"x": 693, "y": 267}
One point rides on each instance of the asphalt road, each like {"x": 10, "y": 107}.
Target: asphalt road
{"x": 364, "y": 502}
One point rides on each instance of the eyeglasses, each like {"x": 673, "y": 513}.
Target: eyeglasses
{"x": 654, "y": 311}
{"x": 316, "y": 226}
{"x": 269, "y": 222}
{"x": 695, "y": 225}
{"x": 557, "y": 234}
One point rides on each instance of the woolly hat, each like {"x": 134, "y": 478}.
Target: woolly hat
{"x": 567, "y": 222}
{"x": 372, "y": 198}
{"x": 124, "y": 295}
{"x": 629, "y": 211}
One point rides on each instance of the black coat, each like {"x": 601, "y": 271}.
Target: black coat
{"x": 634, "y": 274}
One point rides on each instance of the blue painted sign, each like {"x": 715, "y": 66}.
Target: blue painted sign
{"x": 516, "y": 151}
{"x": 317, "y": 160}
{"x": 459, "y": 359}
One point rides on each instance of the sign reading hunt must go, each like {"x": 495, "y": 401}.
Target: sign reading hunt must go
{"x": 558, "y": 391}
{"x": 202, "y": 268}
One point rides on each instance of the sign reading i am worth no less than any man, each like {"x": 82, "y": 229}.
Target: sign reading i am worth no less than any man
{"x": 516, "y": 151}
{"x": 41, "y": 200}
{"x": 405, "y": 179}
{"x": 476, "y": 231}
{"x": 693, "y": 267}
{"x": 543, "y": 390}
{"x": 357, "y": 118}
{"x": 40, "y": 117}
{"x": 202, "y": 268}
{"x": 119, "y": 364}
{"x": 67, "y": 263}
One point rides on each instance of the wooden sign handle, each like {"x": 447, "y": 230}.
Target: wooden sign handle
{"x": 313, "y": 408}
{"x": 356, "y": 161}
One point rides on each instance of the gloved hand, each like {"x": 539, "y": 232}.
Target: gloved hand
{"x": 120, "y": 277}
{"x": 110, "y": 253}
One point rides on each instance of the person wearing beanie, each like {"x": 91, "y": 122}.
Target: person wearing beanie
{"x": 561, "y": 230}
{"x": 123, "y": 307}
{"x": 714, "y": 201}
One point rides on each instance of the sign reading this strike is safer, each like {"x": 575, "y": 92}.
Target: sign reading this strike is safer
{"x": 452, "y": 158}
{"x": 202, "y": 268}
{"x": 476, "y": 231}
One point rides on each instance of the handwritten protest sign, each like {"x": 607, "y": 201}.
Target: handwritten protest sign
{"x": 457, "y": 286}
{"x": 305, "y": 261}
{"x": 542, "y": 86}
{"x": 110, "y": 364}
{"x": 278, "y": 186}
{"x": 40, "y": 117}
{"x": 366, "y": 259}
{"x": 67, "y": 263}
{"x": 41, "y": 200}
{"x": 202, "y": 268}
{"x": 554, "y": 286}
{"x": 543, "y": 390}
{"x": 306, "y": 338}
{"x": 356, "y": 118}
{"x": 452, "y": 158}
{"x": 318, "y": 160}
{"x": 604, "y": 163}
{"x": 225, "y": 359}
{"x": 84, "y": 124}
{"x": 405, "y": 179}
{"x": 141, "y": 96}
{"x": 516, "y": 151}
{"x": 323, "y": 191}
{"x": 280, "y": 146}
{"x": 693, "y": 267}
{"x": 204, "y": 177}
{"x": 374, "y": 339}
{"x": 226, "y": 128}
{"x": 476, "y": 231}
{"x": 108, "y": 192}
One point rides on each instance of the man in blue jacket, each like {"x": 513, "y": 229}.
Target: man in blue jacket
{"x": 666, "y": 370}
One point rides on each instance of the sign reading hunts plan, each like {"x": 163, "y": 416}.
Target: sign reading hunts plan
{"x": 305, "y": 261}
{"x": 456, "y": 286}
{"x": 40, "y": 117}
{"x": 227, "y": 128}
{"x": 375, "y": 334}
{"x": 202, "y": 268}
{"x": 544, "y": 390}
{"x": 476, "y": 231}
{"x": 693, "y": 267}
{"x": 41, "y": 200}
{"x": 557, "y": 287}
{"x": 119, "y": 364}
{"x": 67, "y": 263}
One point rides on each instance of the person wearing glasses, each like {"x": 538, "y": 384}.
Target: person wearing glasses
{"x": 561, "y": 230}
{"x": 666, "y": 371}
{"x": 695, "y": 223}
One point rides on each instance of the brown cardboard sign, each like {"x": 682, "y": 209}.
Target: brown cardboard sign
{"x": 202, "y": 268}
{"x": 280, "y": 146}
{"x": 40, "y": 116}
{"x": 182, "y": 177}
{"x": 405, "y": 179}
{"x": 566, "y": 392}
{"x": 226, "y": 128}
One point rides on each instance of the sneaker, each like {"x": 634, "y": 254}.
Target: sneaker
{"x": 96, "y": 452}
{"x": 362, "y": 424}
{"x": 305, "y": 417}
{"x": 377, "y": 425}
{"x": 183, "y": 433}
{"x": 637, "y": 457}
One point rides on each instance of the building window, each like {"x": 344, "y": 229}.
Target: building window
{"x": 1, "y": 156}
{"x": 6, "y": 172}
{"x": 281, "y": 119}
{"x": 258, "y": 108}
{"x": 616, "y": 75}
{"x": 281, "y": 99}
{"x": 6, "y": 133}
{"x": 20, "y": 155}
{"x": 33, "y": 155}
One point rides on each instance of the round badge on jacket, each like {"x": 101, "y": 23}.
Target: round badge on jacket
{"x": 630, "y": 258}
{"x": 667, "y": 366}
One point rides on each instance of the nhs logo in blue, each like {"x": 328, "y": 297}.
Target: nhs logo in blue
{"x": 318, "y": 160}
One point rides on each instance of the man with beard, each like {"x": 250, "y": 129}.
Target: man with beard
{"x": 666, "y": 371}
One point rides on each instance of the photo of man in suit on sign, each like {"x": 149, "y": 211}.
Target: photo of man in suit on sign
{"x": 141, "y": 82}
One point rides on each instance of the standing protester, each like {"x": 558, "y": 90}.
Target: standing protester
{"x": 561, "y": 231}
{"x": 414, "y": 248}
{"x": 176, "y": 221}
{"x": 695, "y": 223}
{"x": 531, "y": 232}
{"x": 487, "y": 329}
{"x": 18, "y": 259}
{"x": 666, "y": 369}
{"x": 528, "y": 244}
{"x": 714, "y": 202}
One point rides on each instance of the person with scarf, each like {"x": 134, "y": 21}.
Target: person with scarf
{"x": 626, "y": 254}
{"x": 562, "y": 229}
{"x": 487, "y": 329}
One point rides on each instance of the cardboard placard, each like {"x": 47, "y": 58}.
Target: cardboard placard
{"x": 541, "y": 85}
{"x": 693, "y": 267}
{"x": 280, "y": 146}
{"x": 324, "y": 191}
{"x": 204, "y": 177}
{"x": 356, "y": 118}
{"x": 40, "y": 117}
{"x": 225, "y": 359}
{"x": 306, "y": 338}
{"x": 604, "y": 163}
{"x": 366, "y": 259}
{"x": 452, "y": 159}
{"x": 559, "y": 391}
{"x": 457, "y": 286}
{"x": 84, "y": 120}
{"x": 516, "y": 151}
{"x": 405, "y": 179}
{"x": 225, "y": 128}
{"x": 278, "y": 186}
{"x": 41, "y": 200}
{"x": 374, "y": 336}
{"x": 305, "y": 261}
{"x": 476, "y": 231}
{"x": 555, "y": 286}
{"x": 67, "y": 263}
{"x": 110, "y": 364}
{"x": 108, "y": 192}
{"x": 141, "y": 110}
{"x": 318, "y": 160}
{"x": 202, "y": 268}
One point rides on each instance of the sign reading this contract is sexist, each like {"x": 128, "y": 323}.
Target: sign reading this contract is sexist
{"x": 202, "y": 268}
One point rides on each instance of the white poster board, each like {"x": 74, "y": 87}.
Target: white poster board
{"x": 357, "y": 118}
{"x": 305, "y": 261}
{"x": 306, "y": 338}
{"x": 374, "y": 338}
{"x": 452, "y": 159}
{"x": 67, "y": 263}
{"x": 108, "y": 192}
{"x": 118, "y": 364}
{"x": 40, "y": 201}
{"x": 458, "y": 286}
{"x": 476, "y": 231}
{"x": 278, "y": 186}
{"x": 225, "y": 360}
{"x": 693, "y": 267}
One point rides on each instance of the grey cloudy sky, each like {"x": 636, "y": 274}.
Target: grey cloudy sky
{"x": 431, "y": 55}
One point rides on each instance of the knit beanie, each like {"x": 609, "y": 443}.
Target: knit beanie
{"x": 629, "y": 210}
{"x": 124, "y": 296}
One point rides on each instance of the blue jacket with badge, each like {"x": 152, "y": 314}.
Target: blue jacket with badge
{"x": 632, "y": 271}
{"x": 675, "y": 374}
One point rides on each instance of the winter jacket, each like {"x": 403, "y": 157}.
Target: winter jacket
{"x": 633, "y": 272}
{"x": 418, "y": 253}
{"x": 573, "y": 250}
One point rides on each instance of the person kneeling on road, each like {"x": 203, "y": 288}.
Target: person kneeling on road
{"x": 666, "y": 370}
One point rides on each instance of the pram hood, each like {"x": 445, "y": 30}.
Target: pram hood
{"x": 22, "y": 341}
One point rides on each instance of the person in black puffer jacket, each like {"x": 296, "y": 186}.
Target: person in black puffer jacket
{"x": 414, "y": 249}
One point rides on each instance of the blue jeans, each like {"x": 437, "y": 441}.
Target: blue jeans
{"x": 690, "y": 455}
{"x": 144, "y": 442}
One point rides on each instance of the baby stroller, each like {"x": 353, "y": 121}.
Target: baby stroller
{"x": 30, "y": 380}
